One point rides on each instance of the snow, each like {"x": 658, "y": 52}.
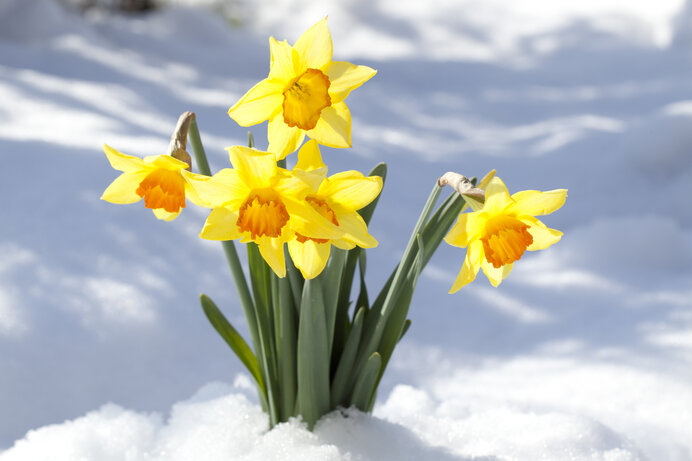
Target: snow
{"x": 584, "y": 352}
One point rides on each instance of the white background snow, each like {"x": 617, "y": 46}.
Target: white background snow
{"x": 584, "y": 352}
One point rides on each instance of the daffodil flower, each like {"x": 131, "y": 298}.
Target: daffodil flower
{"x": 157, "y": 179}
{"x": 337, "y": 198}
{"x": 303, "y": 94}
{"x": 256, "y": 201}
{"x": 498, "y": 234}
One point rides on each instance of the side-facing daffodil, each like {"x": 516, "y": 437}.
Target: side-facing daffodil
{"x": 256, "y": 201}
{"x": 337, "y": 198}
{"x": 157, "y": 179}
{"x": 500, "y": 232}
{"x": 303, "y": 94}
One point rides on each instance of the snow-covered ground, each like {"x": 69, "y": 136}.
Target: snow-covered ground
{"x": 584, "y": 352}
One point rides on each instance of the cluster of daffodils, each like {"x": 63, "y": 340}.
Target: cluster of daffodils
{"x": 314, "y": 348}
{"x": 257, "y": 200}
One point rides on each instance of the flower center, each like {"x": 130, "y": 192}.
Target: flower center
{"x": 163, "y": 189}
{"x": 325, "y": 211}
{"x": 305, "y": 98}
{"x": 262, "y": 214}
{"x": 505, "y": 240}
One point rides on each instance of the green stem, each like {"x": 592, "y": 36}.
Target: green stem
{"x": 228, "y": 246}
{"x": 398, "y": 278}
{"x": 410, "y": 252}
{"x": 196, "y": 143}
{"x": 242, "y": 289}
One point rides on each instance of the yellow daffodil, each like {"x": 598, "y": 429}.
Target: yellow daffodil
{"x": 500, "y": 232}
{"x": 259, "y": 202}
{"x": 303, "y": 94}
{"x": 337, "y": 198}
{"x": 157, "y": 179}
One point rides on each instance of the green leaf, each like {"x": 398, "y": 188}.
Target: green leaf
{"x": 399, "y": 280}
{"x": 341, "y": 325}
{"x": 407, "y": 325}
{"x": 261, "y": 287}
{"x": 341, "y": 322}
{"x": 440, "y": 222}
{"x": 394, "y": 327}
{"x": 363, "y": 295}
{"x": 341, "y": 380}
{"x": 285, "y": 321}
{"x": 296, "y": 280}
{"x": 366, "y": 383}
{"x": 313, "y": 359}
{"x": 229, "y": 334}
{"x": 331, "y": 279}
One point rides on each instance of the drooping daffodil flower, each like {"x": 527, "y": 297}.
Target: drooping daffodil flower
{"x": 499, "y": 233}
{"x": 157, "y": 179}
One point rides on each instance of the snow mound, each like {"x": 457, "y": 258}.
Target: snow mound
{"x": 219, "y": 423}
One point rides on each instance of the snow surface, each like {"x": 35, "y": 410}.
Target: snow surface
{"x": 584, "y": 352}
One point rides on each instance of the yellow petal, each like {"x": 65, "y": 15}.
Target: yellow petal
{"x": 537, "y": 203}
{"x": 486, "y": 179}
{"x": 333, "y": 129}
{"x": 282, "y": 66}
{"x": 191, "y": 192}
{"x": 345, "y": 77}
{"x": 543, "y": 236}
{"x": 122, "y": 190}
{"x": 312, "y": 178}
{"x": 255, "y": 168}
{"x": 469, "y": 269}
{"x": 164, "y": 215}
{"x": 314, "y": 47}
{"x": 167, "y": 162}
{"x": 467, "y": 227}
{"x": 291, "y": 185}
{"x": 223, "y": 189}
{"x": 354, "y": 228}
{"x": 258, "y": 104}
{"x": 308, "y": 222}
{"x": 283, "y": 139}
{"x": 309, "y": 157}
{"x": 221, "y": 225}
{"x": 343, "y": 244}
{"x": 122, "y": 162}
{"x": 351, "y": 189}
{"x": 310, "y": 257}
{"x": 310, "y": 168}
{"x": 496, "y": 276}
{"x": 272, "y": 250}
{"x": 496, "y": 197}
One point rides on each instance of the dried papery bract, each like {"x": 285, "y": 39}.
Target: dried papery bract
{"x": 178, "y": 145}
{"x": 461, "y": 184}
